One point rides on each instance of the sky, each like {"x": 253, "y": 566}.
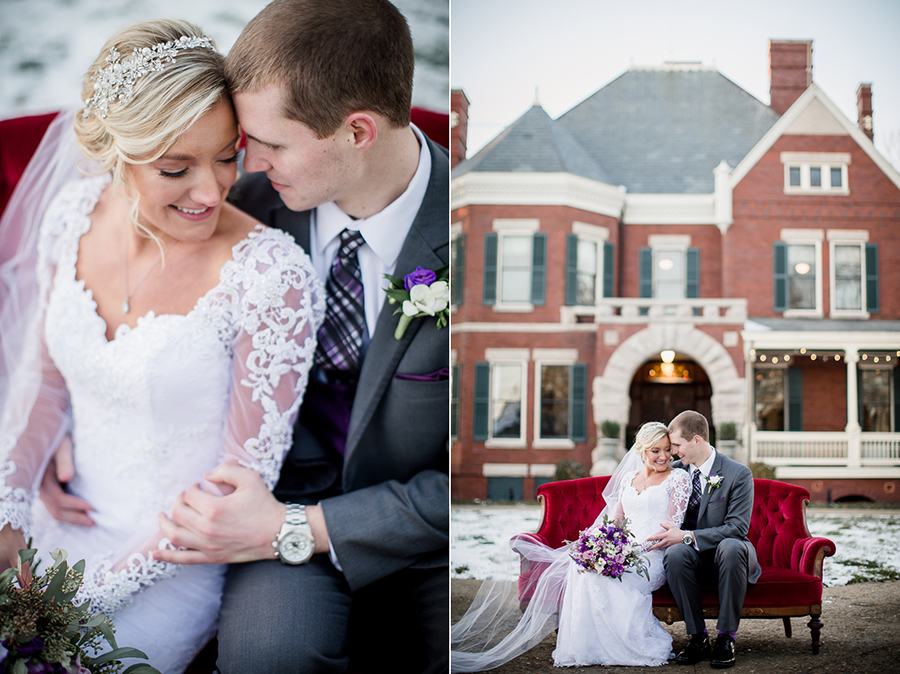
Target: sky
{"x": 503, "y": 52}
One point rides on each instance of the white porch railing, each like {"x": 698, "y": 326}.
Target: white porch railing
{"x": 778, "y": 448}
{"x": 630, "y": 310}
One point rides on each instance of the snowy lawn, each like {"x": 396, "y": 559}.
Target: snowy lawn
{"x": 868, "y": 545}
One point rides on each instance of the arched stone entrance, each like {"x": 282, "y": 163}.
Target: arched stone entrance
{"x": 611, "y": 398}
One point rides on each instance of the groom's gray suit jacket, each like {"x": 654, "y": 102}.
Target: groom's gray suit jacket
{"x": 386, "y": 503}
{"x": 725, "y": 511}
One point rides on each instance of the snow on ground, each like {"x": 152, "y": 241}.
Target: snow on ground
{"x": 46, "y": 45}
{"x": 868, "y": 545}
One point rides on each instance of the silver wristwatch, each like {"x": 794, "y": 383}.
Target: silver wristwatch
{"x": 688, "y": 538}
{"x": 295, "y": 543}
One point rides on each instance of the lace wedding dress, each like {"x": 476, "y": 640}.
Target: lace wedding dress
{"x": 604, "y": 621}
{"x": 599, "y": 620}
{"x": 152, "y": 410}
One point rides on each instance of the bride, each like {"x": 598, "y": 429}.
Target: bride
{"x": 163, "y": 329}
{"x": 600, "y": 620}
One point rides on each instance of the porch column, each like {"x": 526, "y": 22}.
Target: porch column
{"x": 853, "y": 429}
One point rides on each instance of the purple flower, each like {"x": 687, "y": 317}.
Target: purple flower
{"x": 30, "y": 648}
{"x": 419, "y": 277}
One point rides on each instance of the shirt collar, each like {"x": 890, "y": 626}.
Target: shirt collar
{"x": 384, "y": 232}
{"x": 706, "y": 468}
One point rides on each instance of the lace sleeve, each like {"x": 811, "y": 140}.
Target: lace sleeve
{"x": 679, "y": 493}
{"x": 282, "y": 307}
{"x": 35, "y": 413}
{"x": 276, "y": 306}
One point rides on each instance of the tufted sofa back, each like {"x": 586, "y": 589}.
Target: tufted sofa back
{"x": 570, "y": 506}
{"x": 777, "y": 525}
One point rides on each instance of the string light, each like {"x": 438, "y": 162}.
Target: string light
{"x": 775, "y": 359}
{"x": 803, "y": 350}
{"x": 762, "y": 358}
{"x": 812, "y": 357}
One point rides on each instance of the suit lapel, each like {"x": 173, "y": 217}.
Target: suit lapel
{"x": 429, "y": 233}
{"x": 704, "y": 486}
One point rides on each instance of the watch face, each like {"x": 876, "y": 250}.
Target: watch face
{"x": 295, "y": 547}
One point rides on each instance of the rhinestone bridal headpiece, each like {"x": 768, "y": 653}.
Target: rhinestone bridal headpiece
{"x": 115, "y": 81}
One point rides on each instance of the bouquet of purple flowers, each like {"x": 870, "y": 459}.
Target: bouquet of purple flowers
{"x": 608, "y": 549}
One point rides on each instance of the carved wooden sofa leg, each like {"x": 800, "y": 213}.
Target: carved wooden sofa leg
{"x": 787, "y": 627}
{"x": 815, "y": 625}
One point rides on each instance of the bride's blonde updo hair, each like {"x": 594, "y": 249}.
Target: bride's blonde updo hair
{"x": 157, "y": 106}
{"x": 648, "y": 435}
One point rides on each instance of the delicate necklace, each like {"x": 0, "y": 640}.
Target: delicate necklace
{"x": 126, "y": 305}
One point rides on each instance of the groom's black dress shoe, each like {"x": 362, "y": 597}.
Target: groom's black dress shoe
{"x": 697, "y": 649}
{"x": 723, "y": 652}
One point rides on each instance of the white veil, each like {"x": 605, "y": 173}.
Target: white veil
{"x": 21, "y": 302}
{"x": 494, "y": 629}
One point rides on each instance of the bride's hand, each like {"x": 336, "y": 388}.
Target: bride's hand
{"x": 11, "y": 541}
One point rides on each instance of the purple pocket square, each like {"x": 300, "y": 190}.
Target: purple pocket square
{"x": 717, "y": 500}
{"x": 439, "y": 375}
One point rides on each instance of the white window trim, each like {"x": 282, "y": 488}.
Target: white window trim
{"x": 824, "y": 160}
{"x": 598, "y": 235}
{"x": 679, "y": 242}
{"x": 848, "y": 238}
{"x": 542, "y": 357}
{"x": 515, "y": 357}
{"x": 511, "y": 227}
{"x": 806, "y": 237}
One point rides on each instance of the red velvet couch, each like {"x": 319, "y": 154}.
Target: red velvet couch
{"x": 791, "y": 559}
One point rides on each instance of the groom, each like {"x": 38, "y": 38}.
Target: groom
{"x": 713, "y": 546}
{"x": 322, "y": 89}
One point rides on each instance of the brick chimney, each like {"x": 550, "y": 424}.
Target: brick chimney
{"x": 790, "y": 72}
{"x": 459, "y": 125}
{"x": 864, "y": 109}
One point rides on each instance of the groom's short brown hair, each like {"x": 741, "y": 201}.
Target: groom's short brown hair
{"x": 332, "y": 57}
{"x": 689, "y": 424}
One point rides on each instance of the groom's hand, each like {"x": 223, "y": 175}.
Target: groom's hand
{"x": 62, "y": 505}
{"x": 237, "y": 527}
{"x": 671, "y": 536}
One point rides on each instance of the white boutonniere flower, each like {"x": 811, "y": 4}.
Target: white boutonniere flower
{"x": 713, "y": 482}
{"x": 420, "y": 293}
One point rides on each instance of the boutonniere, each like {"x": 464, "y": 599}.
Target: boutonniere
{"x": 422, "y": 292}
{"x": 713, "y": 482}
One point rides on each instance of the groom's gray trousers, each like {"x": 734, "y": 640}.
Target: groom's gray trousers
{"x": 727, "y": 566}
{"x": 281, "y": 619}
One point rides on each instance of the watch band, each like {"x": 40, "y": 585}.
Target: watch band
{"x": 295, "y": 543}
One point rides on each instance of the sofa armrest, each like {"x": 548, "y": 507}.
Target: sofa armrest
{"x": 810, "y": 553}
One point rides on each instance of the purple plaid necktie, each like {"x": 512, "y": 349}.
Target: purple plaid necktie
{"x": 693, "y": 509}
{"x": 344, "y": 328}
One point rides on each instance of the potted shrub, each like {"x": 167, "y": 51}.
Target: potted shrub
{"x": 726, "y": 439}
{"x": 605, "y": 455}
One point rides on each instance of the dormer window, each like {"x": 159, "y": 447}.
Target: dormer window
{"x": 816, "y": 173}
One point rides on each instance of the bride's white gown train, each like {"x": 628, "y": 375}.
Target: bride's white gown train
{"x": 151, "y": 411}
{"x": 599, "y": 620}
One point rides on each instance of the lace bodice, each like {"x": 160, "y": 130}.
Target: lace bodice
{"x": 165, "y": 401}
{"x": 664, "y": 502}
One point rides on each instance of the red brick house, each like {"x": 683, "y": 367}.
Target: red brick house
{"x": 673, "y": 243}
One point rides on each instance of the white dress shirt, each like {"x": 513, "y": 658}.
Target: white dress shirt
{"x": 384, "y": 234}
{"x": 704, "y": 473}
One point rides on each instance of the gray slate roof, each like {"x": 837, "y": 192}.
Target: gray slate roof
{"x": 652, "y": 130}
{"x": 534, "y": 143}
